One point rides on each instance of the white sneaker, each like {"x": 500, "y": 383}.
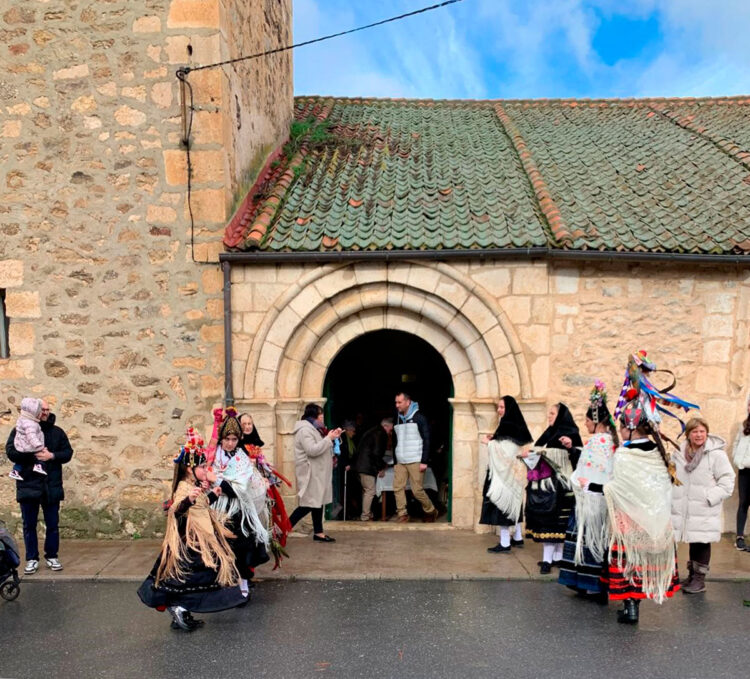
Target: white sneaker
{"x": 54, "y": 564}
{"x": 32, "y": 565}
{"x": 15, "y": 475}
{"x": 38, "y": 469}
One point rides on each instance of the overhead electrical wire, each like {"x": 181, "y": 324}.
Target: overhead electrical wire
{"x": 185, "y": 88}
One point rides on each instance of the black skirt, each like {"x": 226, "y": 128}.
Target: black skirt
{"x": 491, "y": 515}
{"x": 551, "y": 526}
{"x": 200, "y": 592}
{"x": 248, "y": 553}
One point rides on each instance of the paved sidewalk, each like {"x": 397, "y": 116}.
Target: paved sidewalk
{"x": 373, "y": 552}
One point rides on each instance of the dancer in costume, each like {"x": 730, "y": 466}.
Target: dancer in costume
{"x": 549, "y": 498}
{"x": 587, "y": 540}
{"x": 243, "y": 499}
{"x": 506, "y": 476}
{"x": 195, "y": 571}
{"x": 280, "y": 526}
{"x": 643, "y": 558}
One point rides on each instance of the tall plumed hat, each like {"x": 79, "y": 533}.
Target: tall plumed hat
{"x": 193, "y": 453}
{"x": 653, "y": 401}
{"x": 230, "y": 424}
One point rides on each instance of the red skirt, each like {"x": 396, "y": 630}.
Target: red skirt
{"x": 620, "y": 587}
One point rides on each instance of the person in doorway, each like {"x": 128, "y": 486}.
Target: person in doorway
{"x": 506, "y": 478}
{"x": 348, "y": 486}
{"x": 411, "y": 457}
{"x": 368, "y": 462}
{"x": 707, "y": 479}
{"x": 741, "y": 459}
{"x": 549, "y": 498}
{"x": 313, "y": 459}
{"x": 42, "y": 491}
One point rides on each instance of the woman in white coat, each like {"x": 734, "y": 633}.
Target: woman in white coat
{"x": 741, "y": 455}
{"x": 313, "y": 449}
{"x": 707, "y": 479}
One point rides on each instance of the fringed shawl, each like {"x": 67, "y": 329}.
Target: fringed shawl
{"x": 507, "y": 478}
{"x": 250, "y": 487}
{"x": 595, "y": 465}
{"x": 205, "y": 534}
{"x": 639, "y": 501}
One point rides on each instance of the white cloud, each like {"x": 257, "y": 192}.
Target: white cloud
{"x": 506, "y": 48}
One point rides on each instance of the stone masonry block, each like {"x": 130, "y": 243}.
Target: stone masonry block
{"x": 530, "y": 280}
{"x": 455, "y": 357}
{"x": 497, "y": 341}
{"x": 450, "y": 289}
{"x": 345, "y": 332}
{"x": 540, "y": 377}
{"x": 717, "y": 352}
{"x": 507, "y": 374}
{"x": 21, "y": 339}
{"x": 22, "y": 304}
{"x": 712, "y": 380}
{"x": 480, "y": 315}
{"x": 398, "y": 273}
{"x": 283, "y": 327}
{"x": 208, "y": 127}
{"x": 536, "y": 338}
{"x": 717, "y": 326}
{"x": 369, "y": 273}
{"x": 336, "y": 281}
{"x": 464, "y": 385}
{"x": 565, "y": 281}
{"x": 301, "y": 343}
{"x": 495, "y": 280}
{"x": 11, "y": 273}
{"x": 517, "y": 308}
{"x": 424, "y": 278}
{"x": 242, "y": 297}
{"x": 147, "y": 24}
{"x": 372, "y": 319}
{"x": 194, "y": 14}
{"x": 16, "y": 369}
{"x": 306, "y": 300}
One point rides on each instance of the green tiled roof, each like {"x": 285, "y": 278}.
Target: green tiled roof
{"x": 630, "y": 175}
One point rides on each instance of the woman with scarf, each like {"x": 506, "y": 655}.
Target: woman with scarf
{"x": 313, "y": 459}
{"x": 504, "y": 484}
{"x": 642, "y": 559}
{"x": 243, "y": 499}
{"x": 195, "y": 571}
{"x": 707, "y": 479}
{"x": 549, "y": 499}
{"x": 587, "y": 540}
{"x": 252, "y": 444}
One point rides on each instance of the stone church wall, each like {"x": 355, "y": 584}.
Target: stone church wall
{"x": 110, "y": 317}
{"x": 540, "y": 332}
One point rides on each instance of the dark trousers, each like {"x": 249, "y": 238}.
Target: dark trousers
{"x": 317, "y": 517}
{"x": 743, "y": 485}
{"x": 30, "y": 515}
{"x": 700, "y": 552}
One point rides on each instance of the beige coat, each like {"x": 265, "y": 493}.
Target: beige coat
{"x": 314, "y": 465}
{"x": 696, "y": 504}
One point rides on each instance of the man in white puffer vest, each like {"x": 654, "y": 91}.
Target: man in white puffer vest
{"x": 411, "y": 456}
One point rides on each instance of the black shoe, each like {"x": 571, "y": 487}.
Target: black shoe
{"x": 545, "y": 568}
{"x": 516, "y": 543}
{"x": 325, "y": 538}
{"x": 740, "y": 544}
{"x": 556, "y": 563}
{"x": 629, "y": 614}
{"x": 178, "y": 618}
{"x": 601, "y": 598}
{"x": 192, "y": 623}
{"x": 498, "y": 549}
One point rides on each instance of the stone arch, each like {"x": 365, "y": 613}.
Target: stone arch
{"x": 328, "y": 304}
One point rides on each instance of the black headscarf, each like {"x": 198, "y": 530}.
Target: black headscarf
{"x": 512, "y": 426}
{"x": 252, "y": 439}
{"x": 564, "y": 425}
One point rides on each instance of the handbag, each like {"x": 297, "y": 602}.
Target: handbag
{"x": 540, "y": 502}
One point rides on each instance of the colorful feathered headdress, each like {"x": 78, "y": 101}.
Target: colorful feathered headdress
{"x": 598, "y": 410}
{"x": 652, "y": 401}
{"x": 193, "y": 453}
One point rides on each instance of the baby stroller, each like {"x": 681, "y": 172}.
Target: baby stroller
{"x": 9, "y": 561}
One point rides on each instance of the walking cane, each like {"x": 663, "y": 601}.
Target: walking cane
{"x": 346, "y": 478}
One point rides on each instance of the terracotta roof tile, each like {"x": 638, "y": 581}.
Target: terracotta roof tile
{"x": 643, "y": 175}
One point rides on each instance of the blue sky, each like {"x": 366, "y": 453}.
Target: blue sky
{"x": 526, "y": 48}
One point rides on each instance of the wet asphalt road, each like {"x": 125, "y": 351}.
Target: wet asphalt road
{"x": 374, "y": 629}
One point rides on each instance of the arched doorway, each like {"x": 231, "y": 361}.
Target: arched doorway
{"x": 369, "y": 371}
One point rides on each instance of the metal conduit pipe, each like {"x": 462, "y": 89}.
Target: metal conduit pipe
{"x": 228, "y": 385}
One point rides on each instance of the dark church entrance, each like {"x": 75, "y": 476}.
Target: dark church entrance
{"x": 361, "y": 384}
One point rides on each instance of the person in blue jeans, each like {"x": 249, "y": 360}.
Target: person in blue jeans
{"x": 42, "y": 492}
